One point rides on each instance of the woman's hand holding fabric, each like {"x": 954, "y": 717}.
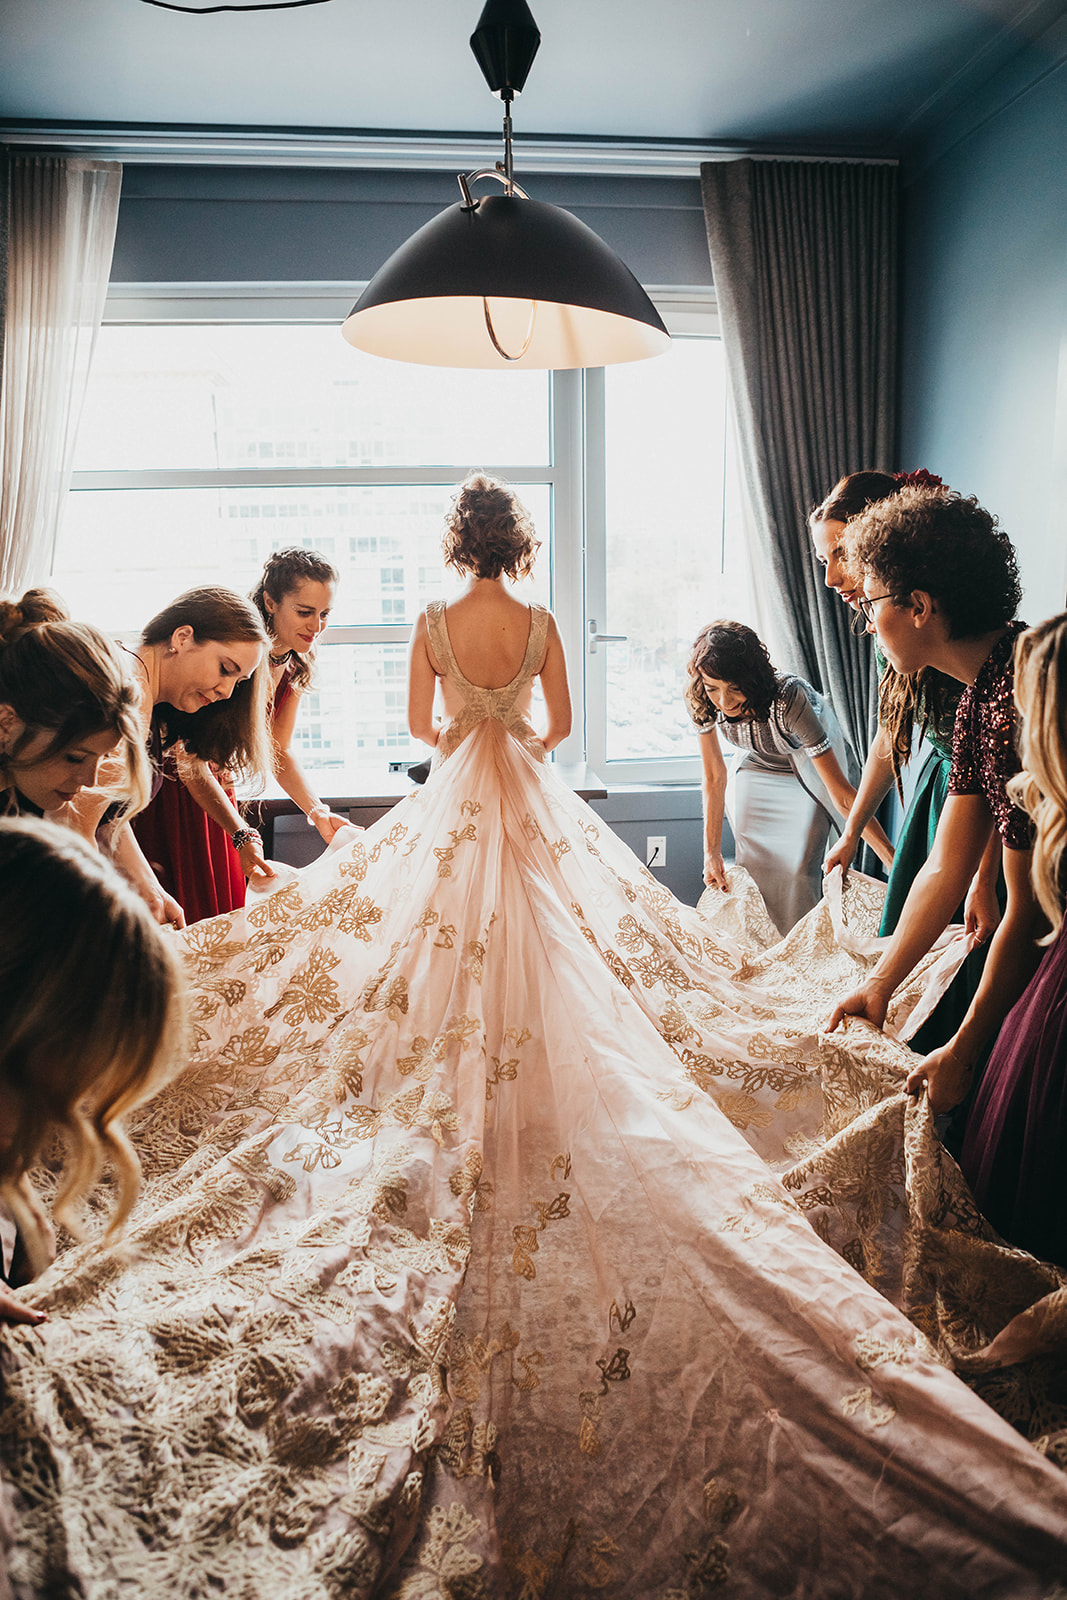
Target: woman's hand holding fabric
{"x": 714, "y": 870}
{"x": 944, "y": 1076}
{"x": 871, "y": 1003}
{"x": 13, "y": 1311}
{"x": 840, "y": 856}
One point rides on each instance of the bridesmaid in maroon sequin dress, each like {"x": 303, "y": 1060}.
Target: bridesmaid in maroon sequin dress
{"x": 1013, "y": 1154}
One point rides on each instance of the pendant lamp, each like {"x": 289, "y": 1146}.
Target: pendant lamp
{"x": 502, "y": 280}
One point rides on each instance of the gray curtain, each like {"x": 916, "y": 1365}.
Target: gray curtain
{"x": 804, "y": 258}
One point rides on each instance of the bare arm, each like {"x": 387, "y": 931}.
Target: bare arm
{"x": 939, "y": 886}
{"x": 843, "y": 796}
{"x": 209, "y": 794}
{"x": 875, "y": 784}
{"x": 556, "y": 689}
{"x": 713, "y": 796}
{"x": 422, "y": 684}
{"x": 291, "y": 776}
{"x": 982, "y": 910}
{"x": 1011, "y": 963}
{"x": 129, "y": 858}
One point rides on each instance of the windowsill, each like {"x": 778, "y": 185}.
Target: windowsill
{"x": 342, "y": 788}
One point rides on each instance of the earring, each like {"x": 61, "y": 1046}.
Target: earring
{"x": 170, "y": 651}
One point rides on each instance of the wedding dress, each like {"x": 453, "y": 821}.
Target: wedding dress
{"x": 484, "y": 1252}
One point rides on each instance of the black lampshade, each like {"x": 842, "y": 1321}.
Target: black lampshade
{"x": 426, "y": 303}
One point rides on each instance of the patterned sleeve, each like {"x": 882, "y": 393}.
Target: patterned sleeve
{"x": 984, "y": 757}
{"x": 799, "y": 721}
{"x": 964, "y": 777}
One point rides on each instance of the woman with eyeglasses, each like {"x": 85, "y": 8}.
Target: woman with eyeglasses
{"x": 940, "y": 589}
{"x": 787, "y": 781}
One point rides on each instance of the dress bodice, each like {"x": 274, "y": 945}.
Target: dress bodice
{"x": 509, "y": 705}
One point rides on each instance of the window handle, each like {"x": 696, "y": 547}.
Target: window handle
{"x": 602, "y": 638}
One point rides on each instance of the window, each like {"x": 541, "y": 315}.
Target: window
{"x": 216, "y": 432}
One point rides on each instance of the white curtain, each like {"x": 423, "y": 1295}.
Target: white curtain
{"x": 63, "y": 213}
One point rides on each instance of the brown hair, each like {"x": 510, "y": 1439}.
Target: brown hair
{"x": 852, "y": 494}
{"x": 488, "y": 531}
{"x": 67, "y": 679}
{"x": 734, "y": 654}
{"x": 233, "y": 732}
{"x": 285, "y": 571}
{"x": 946, "y": 545}
{"x": 1041, "y": 695}
{"x": 93, "y": 1008}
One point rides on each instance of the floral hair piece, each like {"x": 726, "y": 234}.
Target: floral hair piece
{"x": 919, "y": 479}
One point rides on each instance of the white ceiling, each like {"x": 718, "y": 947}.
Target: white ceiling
{"x": 829, "y": 73}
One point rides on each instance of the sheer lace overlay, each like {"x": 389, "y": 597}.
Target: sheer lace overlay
{"x": 507, "y": 1235}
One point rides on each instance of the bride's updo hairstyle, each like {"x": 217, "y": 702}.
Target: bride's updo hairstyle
{"x": 94, "y": 1015}
{"x": 733, "y": 654}
{"x": 233, "y": 732}
{"x": 1041, "y": 788}
{"x": 284, "y": 572}
{"x": 67, "y": 679}
{"x": 489, "y": 532}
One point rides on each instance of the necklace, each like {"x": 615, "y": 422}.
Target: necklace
{"x": 279, "y": 661}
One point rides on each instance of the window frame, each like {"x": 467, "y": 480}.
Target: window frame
{"x": 574, "y": 476}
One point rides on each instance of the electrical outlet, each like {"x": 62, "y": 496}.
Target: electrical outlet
{"x": 655, "y": 850}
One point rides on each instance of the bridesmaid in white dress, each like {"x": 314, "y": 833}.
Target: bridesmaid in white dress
{"x": 789, "y": 786}
{"x": 456, "y": 1275}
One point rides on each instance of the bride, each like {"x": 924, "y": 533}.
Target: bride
{"x": 464, "y": 1267}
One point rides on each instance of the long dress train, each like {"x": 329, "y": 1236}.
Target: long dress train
{"x": 464, "y": 1267}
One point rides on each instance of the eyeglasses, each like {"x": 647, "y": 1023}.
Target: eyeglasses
{"x": 865, "y": 610}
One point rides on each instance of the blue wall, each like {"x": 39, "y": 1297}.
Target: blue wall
{"x": 277, "y": 224}
{"x": 984, "y": 315}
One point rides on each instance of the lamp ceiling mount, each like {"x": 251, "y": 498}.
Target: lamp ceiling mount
{"x": 542, "y": 286}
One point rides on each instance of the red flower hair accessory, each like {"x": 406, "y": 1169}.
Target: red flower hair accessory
{"x": 919, "y": 479}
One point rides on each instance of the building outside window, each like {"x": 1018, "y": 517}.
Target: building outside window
{"x": 207, "y": 442}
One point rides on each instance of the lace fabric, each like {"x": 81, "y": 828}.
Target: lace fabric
{"x": 507, "y": 1235}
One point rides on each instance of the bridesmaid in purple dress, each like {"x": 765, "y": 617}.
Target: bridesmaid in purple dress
{"x": 1013, "y": 1154}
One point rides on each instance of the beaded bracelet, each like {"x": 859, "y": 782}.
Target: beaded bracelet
{"x": 242, "y": 836}
{"x": 317, "y": 811}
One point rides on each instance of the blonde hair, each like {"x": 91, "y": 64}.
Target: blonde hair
{"x": 488, "y": 531}
{"x": 67, "y": 679}
{"x": 1041, "y": 789}
{"x": 93, "y": 1004}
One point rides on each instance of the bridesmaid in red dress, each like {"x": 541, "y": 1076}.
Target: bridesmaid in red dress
{"x": 1016, "y": 1143}
{"x": 295, "y": 596}
{"x": 192, "y": 833}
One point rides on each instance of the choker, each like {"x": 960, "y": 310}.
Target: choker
{"x": 279, "y": 661}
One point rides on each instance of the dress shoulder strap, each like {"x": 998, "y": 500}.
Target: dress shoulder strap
{"x": 535, "y": 647}
{"x": 440, "y": 643}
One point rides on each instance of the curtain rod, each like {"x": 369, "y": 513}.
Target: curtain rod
{"x": 390, "y": 150}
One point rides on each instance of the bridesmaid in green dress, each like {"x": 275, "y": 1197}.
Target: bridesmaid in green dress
{"x": 925, "y": 701}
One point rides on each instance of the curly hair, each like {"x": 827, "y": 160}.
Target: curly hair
{"x": 488, "y": 531}
{"x": 852, "y": 494}
{"x": 232, "y": 732}
{"x": 284, "y": 572}
{"x": 734, "y": 654}
{"x": 68, "y": 680}
{"x": 94, "y": 1020}
{"x": 1041, "y": 788}
{"x": 946, "y": 545}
